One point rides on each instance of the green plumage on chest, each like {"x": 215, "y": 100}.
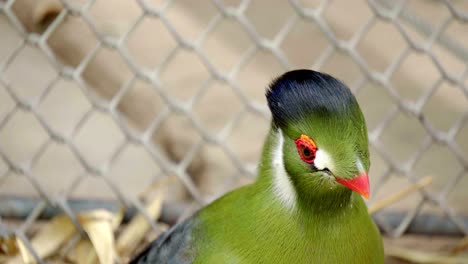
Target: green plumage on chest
{"x": 305, "y": 205}
{"x": 250, "y": 225}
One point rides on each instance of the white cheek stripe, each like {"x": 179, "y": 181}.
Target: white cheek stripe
{"x": 281, "y": 182}
{"x": 323, "y": 160}
{"x": 359, "y": 165}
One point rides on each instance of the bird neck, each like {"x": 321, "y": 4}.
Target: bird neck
{"x": 274, "y": 178}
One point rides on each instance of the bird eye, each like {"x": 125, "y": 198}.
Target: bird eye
{"x": 306, "y": 154}
{"x": 306, "y": 148}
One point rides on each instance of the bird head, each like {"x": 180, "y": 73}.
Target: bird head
{"x": 324, "y": 136}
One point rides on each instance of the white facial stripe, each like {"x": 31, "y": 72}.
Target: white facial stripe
{"x": 281, "y": 182}
{"x": 323, "y": 160}
{"x": 359, "y": 165}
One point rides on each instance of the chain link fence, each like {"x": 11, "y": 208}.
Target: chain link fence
{"x": 99, "y": 99}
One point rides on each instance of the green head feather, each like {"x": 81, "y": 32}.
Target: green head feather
{"x": 322, "y": 108}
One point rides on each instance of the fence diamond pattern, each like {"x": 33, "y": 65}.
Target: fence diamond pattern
{"x": 395, "y": 16}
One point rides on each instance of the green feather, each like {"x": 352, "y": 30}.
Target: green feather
{"x": 250, "y": 225}
{"x": 294, "y": 212}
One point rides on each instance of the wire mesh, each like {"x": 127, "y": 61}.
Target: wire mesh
{"x": 431, "y": 53}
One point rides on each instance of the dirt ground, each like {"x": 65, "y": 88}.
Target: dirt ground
{"x": 435, "y": 245}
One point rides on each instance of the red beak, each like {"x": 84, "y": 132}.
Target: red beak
{"x": 359, "y": 184}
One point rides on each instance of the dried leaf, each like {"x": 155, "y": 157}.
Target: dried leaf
{"x": 48, "y": 239}
{"x": 83, "y": 253}
{"x": 420, "y": 257}
{"x": 18, "y": 259}
{"x": 117, "y": 218}
{"x": 98, "y": 225}
{"x": 4, "y": 258}
{"x": 26, "y": 256}
{"x": 8, "y": 246}
{"x": 462, "y": 246}
{"x": 138, "y": 227}
{"x": 95, "y": 215}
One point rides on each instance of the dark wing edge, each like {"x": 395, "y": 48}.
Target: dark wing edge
{"x": 173, "y": 246}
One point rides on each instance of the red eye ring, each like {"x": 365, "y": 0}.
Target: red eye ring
{"x": 306, "y": 148}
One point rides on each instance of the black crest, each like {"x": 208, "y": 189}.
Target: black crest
{"x": 299, "y": 93}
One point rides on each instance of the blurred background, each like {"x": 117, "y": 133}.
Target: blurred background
{"x": 103, "y": 101}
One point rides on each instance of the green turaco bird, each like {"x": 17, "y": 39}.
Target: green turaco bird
{"x": 306, "y": 204}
